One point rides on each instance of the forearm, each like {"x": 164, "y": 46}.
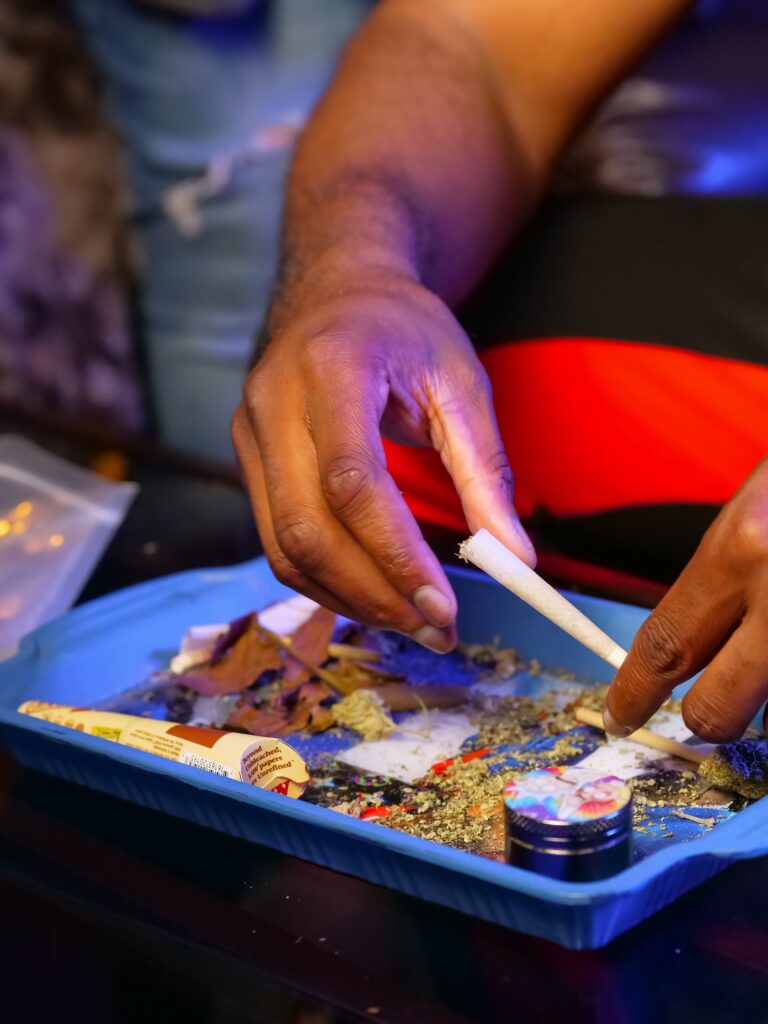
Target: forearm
{"x": 408, "y": 164}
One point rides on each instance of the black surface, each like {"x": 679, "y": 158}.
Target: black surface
{"x": 113, "y": 913}
{"x": 682, "y": 271}
{"x": 650, "y": 540}
{"x": 177, "y": 522}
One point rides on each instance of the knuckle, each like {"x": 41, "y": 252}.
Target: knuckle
{"x": 349, "y": 480}
{"x": 387, "y": 614}
{"x": 660, "y": 648}
{"x": 750, "y": 537}
{"x": 708, "y": 716}
{"x": 254, "y": 400}
{"x": 477, "y": 381}
{"x": 300, "y": 541}
{"x": 385, "y": 609}
{"x": 497, "y": 465}
{"x": 381, "y": 614}
{"x": 400, "y": 560}
{"x": 312, "y": 361}
{"x": 320, "y": 357}
{"x": 630, "y": 686}
{"x": 473, "y": 387}
{"x": 253, "y": 386}
{"x": 496, "y": 470}
{"x": 238, "y": 427}
{"x": 286, "y": 573}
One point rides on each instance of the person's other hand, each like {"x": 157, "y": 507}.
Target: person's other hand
{"x": 716, "y": 614}
{"x": 384, "y": 357}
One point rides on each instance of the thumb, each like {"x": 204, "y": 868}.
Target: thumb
{"x": 464, "y": 432}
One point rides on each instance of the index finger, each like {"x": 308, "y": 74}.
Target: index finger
{"x": 466, "y": 435}
{"x": 688, "y": 627}
{"x": 344, "y": 422}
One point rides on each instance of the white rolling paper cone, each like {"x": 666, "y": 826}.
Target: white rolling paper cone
{"x": 490, "y": 555}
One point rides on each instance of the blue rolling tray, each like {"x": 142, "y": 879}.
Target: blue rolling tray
{"x": 114, "y": 643}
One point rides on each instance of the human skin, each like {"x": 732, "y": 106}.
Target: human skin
{"x": 713, "y": 618}
{"x": 425, "y": 157}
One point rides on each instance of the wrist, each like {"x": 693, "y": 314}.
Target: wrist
{"x": 334, "y": 273}
{"x": 356, "y": 228}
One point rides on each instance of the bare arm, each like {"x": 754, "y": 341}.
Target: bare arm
{"x": 427, "y": 153}
{"x": 437, "y": 134}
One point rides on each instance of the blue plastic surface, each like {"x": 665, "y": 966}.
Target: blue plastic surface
{"x": 114, "y": 643}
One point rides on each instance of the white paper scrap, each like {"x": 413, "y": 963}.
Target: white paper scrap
{"x": 625, "y": 759}
{"x": 197, "y": 645}
{"x": 282, "y": 617}
{"x": 424, "y": 739}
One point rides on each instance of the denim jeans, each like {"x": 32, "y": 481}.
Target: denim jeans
{"x": 188, "y": 95}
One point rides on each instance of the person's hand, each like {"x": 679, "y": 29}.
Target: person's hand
{"x": 384, "y": 357}
{"x": 716, "y": 614}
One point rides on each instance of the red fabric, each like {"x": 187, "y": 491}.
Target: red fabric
{"x": 591, "y": 425}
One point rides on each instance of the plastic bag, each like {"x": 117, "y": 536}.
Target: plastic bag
{"x": 55, "y": 521}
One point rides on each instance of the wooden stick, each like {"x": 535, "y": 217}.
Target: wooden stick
{"x": 352, "y": 653}
{"x": 645, "y": 737}
{"x": 490, "y": 555}
{"x": 321, "y": 673}
{"x": 708, "y": 822}
{"x": 402, "y": 697}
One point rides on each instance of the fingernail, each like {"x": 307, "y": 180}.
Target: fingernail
{"x": 434, "y": 606}
{"x": 438, "y": 640}
{"x": 612, "y": 727}
{"x": 526, "y": 543}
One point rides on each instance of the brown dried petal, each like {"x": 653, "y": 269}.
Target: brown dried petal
{"x": 235, "y": 630}
{"x": 258, "y": 721}
{"x": 311, "y": 694}
{"x": 303, "y": 710}
{"x": 235, "y": 665}
{"x": 322, "y": 719}
{"x": 310, "y": 641}
{"x": 307, "y": 710}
